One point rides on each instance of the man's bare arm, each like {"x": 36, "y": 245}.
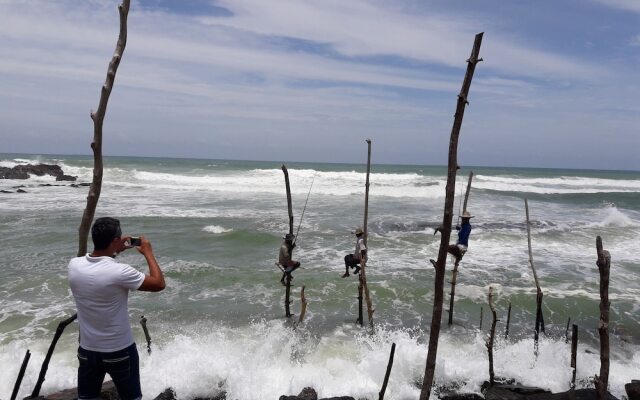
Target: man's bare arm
{"x": 154, "y": 282}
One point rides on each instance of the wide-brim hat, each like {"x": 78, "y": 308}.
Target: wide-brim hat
{"x": 467, "y": 214}
{"x": 289, "y": 236}
{"x": 358, "y": 231}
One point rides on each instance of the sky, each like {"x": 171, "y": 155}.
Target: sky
{"x": 310, "y": 80}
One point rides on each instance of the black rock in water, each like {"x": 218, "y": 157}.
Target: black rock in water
{"x": 633, "y": 390}
{"x": 23, "y": 172}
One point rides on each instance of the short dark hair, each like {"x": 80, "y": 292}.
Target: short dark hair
{"x": 103, "y": 232}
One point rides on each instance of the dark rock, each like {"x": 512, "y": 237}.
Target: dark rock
{"x": 21, "y": 191}
{"x": 66, "y": 178}
{"x": 633, "y": 390}
{"x": 18, "y": 187}
{"x": 518, "y": 392}
{"x": 168, "y": 394}
{"x": 461, "y": 396}
{"x": 5, "y": 191}
{"x": 23, "y": 172}
{"x": 306, "y": 394}
{"x": 339, "y": 398}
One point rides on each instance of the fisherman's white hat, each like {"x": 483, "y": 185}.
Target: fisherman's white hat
{"x": 358, "y": 231}
{"x": 467, "y": 214}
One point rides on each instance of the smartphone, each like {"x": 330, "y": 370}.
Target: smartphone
{"x": 135, "y": 241}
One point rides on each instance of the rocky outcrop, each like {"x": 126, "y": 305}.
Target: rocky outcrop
{"x": 24, "y": 171}
{"x": 633, "y": 390}
{"x": 310, "y": 394}
{"x": 108, "y": 392}
{"x": 519, "y": 392}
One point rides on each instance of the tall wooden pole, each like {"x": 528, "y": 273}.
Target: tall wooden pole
{"x": 287, "y": 279}
{"x": 388, "y": 373}
{"x": 96, "y": 145}
{"x": 506, "y": 332}
{"x": 23, "y": 368}
{"x": 539, "y": 317}
{"x": 363, "y": 263}
{"x": 289, "y": 207}
{"x": 574, "y": 354}
{"x": 492, "y": 335}
{"x": 438, "y": 297}
{"x": 604, "y": 265}
{"x": 454, "y": 274}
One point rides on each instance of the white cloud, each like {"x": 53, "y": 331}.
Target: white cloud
{"x": 628, "y": 5}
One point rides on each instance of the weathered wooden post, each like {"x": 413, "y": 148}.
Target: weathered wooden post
{"x": 506, "y": 332}
{"x": 23, "y": 368}
{"x": 98, "y": 119}
{"x": 574, "y": 354}
{"x": 604, "y": 265}
{"x": 539, "y": 316}
{"x": 386, "y": 375}
{"x": 363, "y": 263}
{"x": 438, "y": 297}
{"x": 303, "y": 305}
{"x": 287, "y": 278}
{"x": 481, "y": 312}
{"x": 566, "y": 332}
{"x": 492, "y": 335}
{"x": 454, "y": 274}
{"x": 47, "y": 358}
{"x": 143, "y": 322}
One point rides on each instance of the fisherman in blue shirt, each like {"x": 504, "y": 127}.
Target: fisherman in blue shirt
{"x": 464, "y": 230}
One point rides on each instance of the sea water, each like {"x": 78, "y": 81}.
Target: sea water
{"x": 216, "y": 227}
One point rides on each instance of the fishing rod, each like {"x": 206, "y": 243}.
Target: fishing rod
{"x": 304, "y": 208}
{"x": 460, "y": 204}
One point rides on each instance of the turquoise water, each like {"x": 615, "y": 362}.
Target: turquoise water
{"x": 216, "y": 226}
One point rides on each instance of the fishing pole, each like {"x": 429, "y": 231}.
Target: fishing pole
{"x": 304, "y": 208}
{"x": 460, "y": 204}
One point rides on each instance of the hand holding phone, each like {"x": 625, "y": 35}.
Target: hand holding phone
{"x": 135, "y": 241}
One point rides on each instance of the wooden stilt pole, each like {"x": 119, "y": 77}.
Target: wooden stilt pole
{"x": 492, "y": 335}
{"x": 143, "y": 322}
{"x": 566, "y": 332}
{"x": 454, "y": 274}
{"x": 539, "y": 317}
{"x": 23, "y": 368}
{"x": 574, "y": 354}
{"x": 303, "y": 305}
{"x": 506, "y": 332}
{"x": 363, "y": 263}
{"x": 96, "y": 144}
{"x": 604, "y": 265}
{"x": 386, "y": 375}
{"x": 438, "y": 297}
{"x": 47, "y": 358}
{"x": 287, "y": 278}
{"x": 481, "y": 310}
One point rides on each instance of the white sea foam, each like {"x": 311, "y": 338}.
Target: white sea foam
{"x": 266, "y": 359}
{"x": 216, "y": 229}
{"x": 559, "y": 185}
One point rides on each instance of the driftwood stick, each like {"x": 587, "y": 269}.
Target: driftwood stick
{"x": 143, "y": 322}
{"x": 481, "y": 311}
{"x": 566, "y": 332}
{"x": 23, "y": 368}
{"x": 604, "y": 265}
{"x": 438, "y": 296}
{"x": 98, "y": 119}
{"x": 455, "y": 266}
{"x": 363, "y": 263}
{"x": 303, "y": 305}
{"x": 47, "y": 358}
{"x": 574, "y": 354}
{"x": 386, "y": 375}
{"x": 506, "y": 332}
{"x": 492, "y": 335}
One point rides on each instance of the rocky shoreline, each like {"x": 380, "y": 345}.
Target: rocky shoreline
{"x": 499, "y": 391}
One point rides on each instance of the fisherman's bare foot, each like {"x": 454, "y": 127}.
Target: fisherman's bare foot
{"x": 346, "y": 274}
{"x": 356, "y": 271}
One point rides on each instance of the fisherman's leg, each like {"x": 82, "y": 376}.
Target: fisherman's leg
{"x": 90, "y": 375}
{"x": 347, "y": 262}
{"x": 123, "y": 367}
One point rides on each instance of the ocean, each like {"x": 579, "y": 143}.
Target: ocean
{"x": 216, "y": 227}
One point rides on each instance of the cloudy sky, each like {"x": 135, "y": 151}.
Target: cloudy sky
{"x": 309, "y": 80}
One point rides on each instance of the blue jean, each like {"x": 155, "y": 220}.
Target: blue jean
{"x": 121, "y": 365}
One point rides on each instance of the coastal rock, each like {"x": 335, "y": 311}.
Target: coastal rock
{"x": 23, "y": 172}
{"x": 170, "y": 394}
{"x": 519, "y": 392}
{"x": 21, "y": 191}
{"x": 310, "y": 394}
{"x": 5, "y": 191}
{"x": 633, "y": 390}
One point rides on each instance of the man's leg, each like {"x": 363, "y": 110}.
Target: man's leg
{"x": 124, "y": 369}
{"x": 347, "y": 263}
{"x": 90, "y": 375}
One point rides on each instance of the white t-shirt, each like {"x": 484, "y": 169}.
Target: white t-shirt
{"x": 359, "y": 248}
{"x": 100, "y": 288}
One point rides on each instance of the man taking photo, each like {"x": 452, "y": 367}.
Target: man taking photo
{"x": 100, "y": 287}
